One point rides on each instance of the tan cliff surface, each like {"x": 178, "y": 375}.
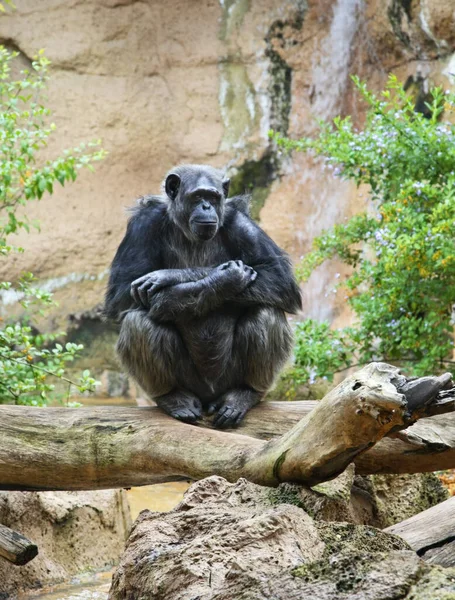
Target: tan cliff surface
{"x": 203, "y": 81}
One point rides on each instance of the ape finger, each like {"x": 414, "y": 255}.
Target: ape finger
{"x": 140, "y": 280}
{"x": 239, "y": 418}
{"x": 135, "y": 295}
{"x": 154, "y": 289}
{"x": 227, "y": 265}
{"x": 251, "y": 272}
{"x": 143, "y": 292}
{"x": 224, "y": 418}
{"x": 139, "y": 297}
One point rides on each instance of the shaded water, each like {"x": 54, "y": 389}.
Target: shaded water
{"x": 93, "y": 586}
{"x": 160, "y": 497}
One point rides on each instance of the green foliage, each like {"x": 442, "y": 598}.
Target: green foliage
{"x": 6, "y": 3}
{"x": 27, "y": 359}
{"x": 402, "y": 248}
{"x": 321, "y": 351}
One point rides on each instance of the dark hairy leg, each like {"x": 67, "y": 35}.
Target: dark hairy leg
{"x": 156, "y": 357}
{"x": 262, "y": 344}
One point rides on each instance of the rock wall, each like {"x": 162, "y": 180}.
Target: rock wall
{"x": 74, "y": 532}
{"x": 204, "y": 81}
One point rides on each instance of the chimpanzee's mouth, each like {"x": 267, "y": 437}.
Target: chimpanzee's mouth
{"x": 204, "y": 230}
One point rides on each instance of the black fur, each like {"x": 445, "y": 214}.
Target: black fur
{"x": 201, "y": 291}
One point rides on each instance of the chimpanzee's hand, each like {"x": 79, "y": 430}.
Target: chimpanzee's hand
{"x": 235, "y": 275}
{"x": 142, "y": 289}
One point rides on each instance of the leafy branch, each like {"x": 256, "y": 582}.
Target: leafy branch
{"x": 401, "y": 249}
{"x": 28, "y": 359}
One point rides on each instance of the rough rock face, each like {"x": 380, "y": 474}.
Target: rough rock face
{"x": 379, "y": 500}
{"x": 163, "y": 83}
{"x": 74, "y": 531}
{"x": 226, "y": 541}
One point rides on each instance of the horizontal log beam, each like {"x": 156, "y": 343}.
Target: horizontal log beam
{"x": 96, "y": 448}
{"x": 431, "y": 533}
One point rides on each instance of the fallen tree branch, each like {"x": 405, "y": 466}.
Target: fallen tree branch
{"x": 75, "y": 449}
{"x": 15, "y": 547}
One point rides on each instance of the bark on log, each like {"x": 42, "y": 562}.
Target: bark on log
{"x": 431, "y": 533}
{"x": 75, "y": 449}
{"x": 15, "y": 547}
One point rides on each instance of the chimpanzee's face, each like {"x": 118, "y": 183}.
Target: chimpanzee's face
{"x": 197, "y": 198}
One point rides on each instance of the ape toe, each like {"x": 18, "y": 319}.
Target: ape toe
{"x": 240, "y": 416}
{"x": 228, "y": 417}
{"x": 213, "y": 407}
{"x": 186, "y": 415}
{"x": 232, "y": 406}
{"x": 181, "y": 405}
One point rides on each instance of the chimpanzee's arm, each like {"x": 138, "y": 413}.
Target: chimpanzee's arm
{"x": 145, "y": 287}
{"x": 267, "y": 278}
{"x": 137, "y": 254}
{"x": 197, "y": 298}
{"x": 275, "y": 284}
{"x": 138, "y": 259}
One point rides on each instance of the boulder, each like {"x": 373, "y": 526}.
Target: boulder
{"x": 226, "y": 541}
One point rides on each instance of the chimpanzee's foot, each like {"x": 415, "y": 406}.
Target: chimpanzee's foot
{"x": 181, "y": 405}
{"x": 232, "y": 406}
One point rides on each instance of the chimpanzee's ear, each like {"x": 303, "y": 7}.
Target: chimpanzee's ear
{"x": 226, "y": 183}
{"x": 172, "y": 185}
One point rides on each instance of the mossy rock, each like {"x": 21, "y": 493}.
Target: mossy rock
{"x": 351, "y": 552}
{"x": 436, "y": 584}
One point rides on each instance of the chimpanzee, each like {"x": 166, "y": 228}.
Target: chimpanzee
{"x": 201, "y": 293}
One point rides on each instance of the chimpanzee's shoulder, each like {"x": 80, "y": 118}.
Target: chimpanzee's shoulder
{"x": 148, "y": 209}
{"x": 239, "y": 203}
{"x": 242, "y": 231}
{"x": 149, "y": 205}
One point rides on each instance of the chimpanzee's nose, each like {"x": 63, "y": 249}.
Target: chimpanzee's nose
{"x": 206, "y": 206}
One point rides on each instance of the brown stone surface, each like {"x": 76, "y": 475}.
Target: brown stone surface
{"x": 226, "y": 541}
{"x": 74, "y": 531}
{"x": 163, "y": 83}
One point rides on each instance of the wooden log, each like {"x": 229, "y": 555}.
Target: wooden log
{"x": 431, "y": 533}
{"x": 76, "y": 449}
{"x": 15, "y": 547}
{"x": 426, "y": 446}
{"x": 443, "y": 555}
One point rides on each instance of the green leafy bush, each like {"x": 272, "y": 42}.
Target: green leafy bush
{"x": 401, "y": 249}
{"x": 27, "y": 359}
